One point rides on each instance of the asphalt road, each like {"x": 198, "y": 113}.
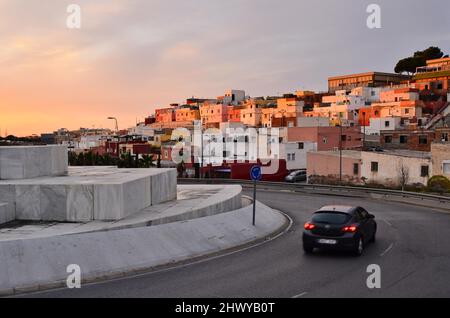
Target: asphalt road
{"x": 412, "y": 249}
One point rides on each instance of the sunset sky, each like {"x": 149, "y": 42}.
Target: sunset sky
{"x": 130, "y": 57}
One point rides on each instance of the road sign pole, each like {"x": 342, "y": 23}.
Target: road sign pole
{"x": 255, "y": 175}
{"x": 254, "y": 202}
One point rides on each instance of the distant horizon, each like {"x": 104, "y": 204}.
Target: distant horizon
{"x": 130, "y": 57}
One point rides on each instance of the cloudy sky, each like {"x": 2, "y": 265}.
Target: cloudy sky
{"x": 131, "y": 56}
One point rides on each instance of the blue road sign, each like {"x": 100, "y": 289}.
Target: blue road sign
{"x": 256, "y": 173}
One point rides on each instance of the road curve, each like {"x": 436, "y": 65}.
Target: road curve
{"x": 412, "y": 249}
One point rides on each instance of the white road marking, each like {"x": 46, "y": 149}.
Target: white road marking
{"x": 387, "y": 222}
{"x": 387, "y": 250}
{"x": 299, "y": 295}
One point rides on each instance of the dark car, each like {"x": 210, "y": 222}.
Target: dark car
{"x": 296, "y": 176}
{"x": 340, "y": 228}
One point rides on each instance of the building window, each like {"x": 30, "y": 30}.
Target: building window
{"x": 387, "y": 124}
{"x": 293, "y": 157}
{"x": 403, "y": 139}
{"x": 423, "y": 140}
{"x": 325, "y": 140}
{"x": 446, "y": 168}
{"x": 289, "y": 157}
{"x": 343, "y": 137}
{"x": 440, "y": 86}
{"x": 388, "y": 139}
{"x": 301, "y": 145}
{"x": 444, "y": 137}
{"x": 374, "y": 166}
{"x": 406, "y": 110}
{"x": 355, "y": 169}
{"x": 424, "y": 171}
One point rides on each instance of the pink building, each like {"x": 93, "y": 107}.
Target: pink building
{"x": 325, "y": 166}
{"x": 327, "y": 138}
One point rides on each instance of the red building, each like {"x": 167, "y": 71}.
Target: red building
{"x": 165, "y": 115}
{"x": 234, "y": 113}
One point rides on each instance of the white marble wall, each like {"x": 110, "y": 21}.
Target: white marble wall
{"x": 164, "y": 186}
{"x": 24, "y": 162}
{"x": 5, "y": 215}
{"x": 8, "y": 195}
{"x": 98, "y": 194}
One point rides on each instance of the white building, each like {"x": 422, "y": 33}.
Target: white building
{"x": 89, "y": 141}
{"x": 388, "y": 167}
{"x": 295, "y": 153}
{"x": 369, "y": 94}
{"x": 379, "y": 124}
{"x": 142, "y": 130}
{"x": 234, "y": 97}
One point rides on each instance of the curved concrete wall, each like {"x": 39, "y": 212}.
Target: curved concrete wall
{"x": 29, "y": 265}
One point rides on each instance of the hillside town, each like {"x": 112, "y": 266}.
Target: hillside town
{"x": 381, "y": 129}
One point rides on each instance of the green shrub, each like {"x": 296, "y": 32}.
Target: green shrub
{"x": 439, "y": 184}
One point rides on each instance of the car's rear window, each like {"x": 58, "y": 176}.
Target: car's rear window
{"x": 331, "y": 218}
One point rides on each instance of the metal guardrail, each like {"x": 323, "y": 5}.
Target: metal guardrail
{"x": 321, "y": 188}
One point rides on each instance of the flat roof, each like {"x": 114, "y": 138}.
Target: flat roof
{"x": 369, "y": 73}
{"x": 431, "y": 75}
{"x": 405, "y": 153}
{"x": 353, "y": 154}
{"x": 435, "y": 61}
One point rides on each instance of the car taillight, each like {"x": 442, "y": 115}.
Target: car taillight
{"x": 350, "y": 229}
{"x": 309, "y": 226}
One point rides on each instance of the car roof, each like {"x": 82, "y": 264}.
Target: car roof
{"x": 338, "y": 209}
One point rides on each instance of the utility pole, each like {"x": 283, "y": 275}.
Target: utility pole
{"x": 364, "y": 130}
{"x": 201, "y": 134}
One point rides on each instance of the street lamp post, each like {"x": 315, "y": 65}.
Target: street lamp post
{"x": 117, "y": 135}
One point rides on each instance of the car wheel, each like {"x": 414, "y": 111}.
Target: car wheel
{"x": 374, "y": 237}
{"x": 308, "y": 249}
{"x": 359, "y": 248}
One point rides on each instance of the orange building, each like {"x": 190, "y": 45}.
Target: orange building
{"x": 434, "y": 77}
{"x": 187, "y": 114}
{"x": 369, "y": 79}
{"x": 213, "y": 114}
